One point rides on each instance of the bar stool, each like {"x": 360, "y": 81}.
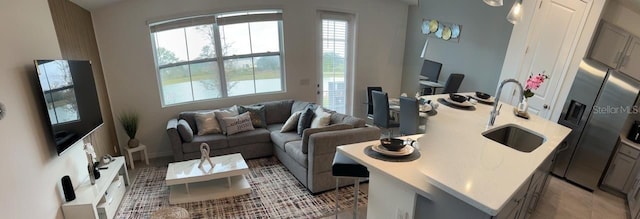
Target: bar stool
{"x": 344, "y": 167}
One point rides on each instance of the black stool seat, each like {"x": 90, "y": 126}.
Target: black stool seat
{"x": 346, "y": 167}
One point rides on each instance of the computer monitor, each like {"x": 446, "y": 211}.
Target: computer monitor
{"x": 431, "y": 70}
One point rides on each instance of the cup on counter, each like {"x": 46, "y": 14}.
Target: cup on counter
{"x": 473, "y": 101}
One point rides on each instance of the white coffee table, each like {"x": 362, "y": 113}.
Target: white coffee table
{"x": 189, "y": 183}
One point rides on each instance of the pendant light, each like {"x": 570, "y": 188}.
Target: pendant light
{"x": 494, "y": 3}
{"x": 515, "y": 14}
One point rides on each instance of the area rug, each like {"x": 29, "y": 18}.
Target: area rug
{"x": 275, "y": 194}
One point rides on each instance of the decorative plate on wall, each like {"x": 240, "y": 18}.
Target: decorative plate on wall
{"x": 455, "y": 31}
{"x": 446, "y": 33}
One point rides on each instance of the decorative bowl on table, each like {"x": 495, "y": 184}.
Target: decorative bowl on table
{"x": 457, "y": 97}
{"x": 482, "y": 95}
{"x": 392, "y": 144}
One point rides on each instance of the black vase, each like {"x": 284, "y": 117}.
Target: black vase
{"x": 96, "y": 171}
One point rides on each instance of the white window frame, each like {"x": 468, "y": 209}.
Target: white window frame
{"x": 216, "y": 20}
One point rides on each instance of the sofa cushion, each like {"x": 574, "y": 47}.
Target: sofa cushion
{"x": 259, "y": 135}
{"x": 307, "y": 133}
{"x": 305, "y": 120}
{"x": 339, "y": 118}
{"x": 281, "y": 138}
{"x": 222, "y": 113}
{"x": 302, "y": 105}
{"x": 215, "y": 141}
{"x": 321, "y": 118}
{"x": 206, "y": 123}
{"x": 185, "y": 131}
{"x": 294, "y": 150}
{"x": 257, "y": 114}
{"x": 277, "y": 111}
{"x": 291, "y": 123}
{"x": 275, "y": 127}
{"x": 189, "y": 116}
{"x": 237, "y": 124}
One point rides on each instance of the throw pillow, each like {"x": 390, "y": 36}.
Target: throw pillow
{"x": 185, "y": 131}
{"x": 305, "y": 120}
{"x": 222, "y": 113}
{"x": 291, "y": 123}
{"x": 321, "y": 118}
{"x": 239, "y": 123}
{"x": 206, "y": 123}
{"x": 257, "y": 114}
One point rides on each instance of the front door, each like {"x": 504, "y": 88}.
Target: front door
{"x": 550, "y": 49}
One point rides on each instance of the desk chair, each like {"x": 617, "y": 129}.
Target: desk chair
{"x": 409, "y": 116}
{"x": 381, "y": 117}
{"x": 453, "y": 83}
{"x": 370, "y": 101}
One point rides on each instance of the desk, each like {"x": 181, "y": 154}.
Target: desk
{"x": 431, "y": 84}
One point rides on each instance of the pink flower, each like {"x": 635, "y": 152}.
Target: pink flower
{"x": 533, "y": 83}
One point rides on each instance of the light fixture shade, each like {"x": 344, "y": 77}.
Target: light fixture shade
{"x": 515, "y": 14}
{"x": 494, "y": 3}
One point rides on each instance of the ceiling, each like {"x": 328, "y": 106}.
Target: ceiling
{"x": 634, "y": 5}
{"x": 94, "y": 4}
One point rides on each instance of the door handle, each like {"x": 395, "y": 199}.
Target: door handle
{"x": 545, "y": 106}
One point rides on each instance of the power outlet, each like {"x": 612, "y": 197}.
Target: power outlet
{"x": 402, "y": 214}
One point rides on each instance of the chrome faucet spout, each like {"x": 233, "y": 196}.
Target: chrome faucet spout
{"x": 494, "y": 112}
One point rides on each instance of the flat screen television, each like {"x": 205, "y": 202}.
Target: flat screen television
{"x": 431, "y": 70}
{"x": 70, "y": 99}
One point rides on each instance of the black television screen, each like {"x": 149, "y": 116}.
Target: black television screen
{"x": 431, "y": 70}
{"x": 70, "y": 99}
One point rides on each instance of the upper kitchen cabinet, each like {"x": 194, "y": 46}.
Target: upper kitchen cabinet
{"x": 618, "y": 49}
{"x": 609, "y": 45}
{"x": 630, "y": 63}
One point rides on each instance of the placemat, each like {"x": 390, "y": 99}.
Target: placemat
{"x": 444, "y": 102}
{"x": 373, "y": 154}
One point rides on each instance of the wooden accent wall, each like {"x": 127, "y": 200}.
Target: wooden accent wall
{"x": 77, "y": 40}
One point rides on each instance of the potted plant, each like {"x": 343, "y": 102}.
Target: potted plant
{"x": 129, "y": 121}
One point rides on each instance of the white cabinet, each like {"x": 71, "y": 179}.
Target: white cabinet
{"x": 618, "y": 49}
{"x": 102, "y": 199}
{"x": 609, "y": 45}
{"x": 619, "y": 175}
{"x": 633, "y": 198}
{"x": 630, "y": 63}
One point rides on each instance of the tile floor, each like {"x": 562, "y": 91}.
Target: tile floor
{"x": 561, "y": 200}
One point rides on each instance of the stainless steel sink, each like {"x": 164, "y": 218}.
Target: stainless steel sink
{"x": 515, "y": 137}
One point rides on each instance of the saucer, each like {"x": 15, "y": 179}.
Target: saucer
{"x": 407, "y": 150}
{"x": 489, "y": 100}
{"x": 463, "y": 104}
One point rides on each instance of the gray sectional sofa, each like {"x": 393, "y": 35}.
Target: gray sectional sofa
{"x": 308, "y": 157}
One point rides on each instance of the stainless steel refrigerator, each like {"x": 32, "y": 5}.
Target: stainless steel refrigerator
{"x": 597, "y": 107}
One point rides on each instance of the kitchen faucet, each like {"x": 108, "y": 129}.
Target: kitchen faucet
{"x": 494, "y": 112}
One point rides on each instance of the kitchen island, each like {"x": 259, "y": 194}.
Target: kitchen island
{"x": 461, "y": 173}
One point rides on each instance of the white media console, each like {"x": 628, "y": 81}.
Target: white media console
{"x": 102, "y": 199}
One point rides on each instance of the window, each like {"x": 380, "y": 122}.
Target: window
{"x": 208, "y": 57}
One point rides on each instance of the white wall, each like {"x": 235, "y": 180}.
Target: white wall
{"x": 479, "y": 54}
{"x": 31, "y": 170}
{"x": 125, "y": 49}
{"x": 622, "y": 16}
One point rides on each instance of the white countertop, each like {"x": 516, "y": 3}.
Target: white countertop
{"x": 457, "y": 159}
